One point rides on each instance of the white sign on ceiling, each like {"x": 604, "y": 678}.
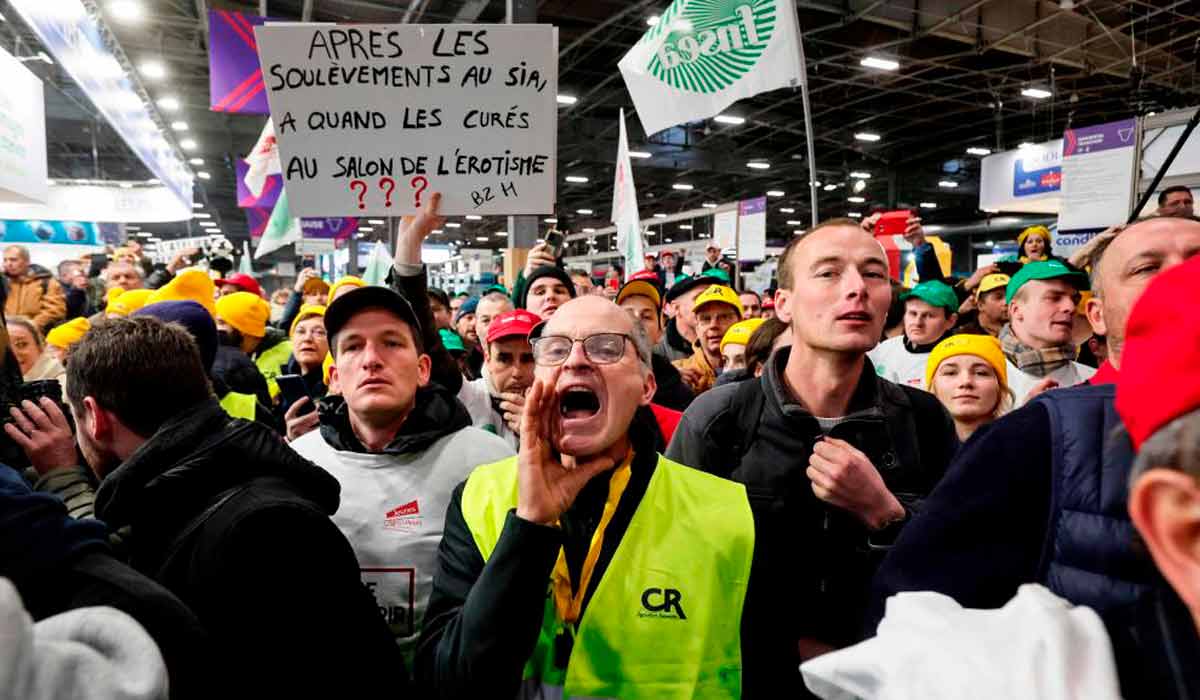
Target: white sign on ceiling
{"x": 371, "y": 119}
{"x": 22, "y": 133}
{"x": 149, "y": 204}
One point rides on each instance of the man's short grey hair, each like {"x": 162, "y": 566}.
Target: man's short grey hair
{"x": 497, "y": 296}
{"x": 1176, "y": 445}
{"x": 137, "y": 270}
{"x": 21, "y": 250}
{"x": 1092, "y": 252}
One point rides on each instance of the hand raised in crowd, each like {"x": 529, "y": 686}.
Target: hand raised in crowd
{"x": 843, "y": 476}
{"x": 914, "y": 232}
{"x": 42, "y": 431}
{"x": 513, "y": 407}
{"x": 415, "y": 228}
{"x": 868, "y": 223}
{"x": 297, "y": 423}
{"x": 977, "y": 277}
{"x": 181, "y": 260}
{"x": 301, "y": 279}
{"x": 547, "y": 484}
{"x": 539, "y": 256}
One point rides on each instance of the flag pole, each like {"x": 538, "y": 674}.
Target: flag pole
{"x": 808, "y": 129}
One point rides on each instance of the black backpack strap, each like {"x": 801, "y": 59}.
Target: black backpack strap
{"x": 194, "y": 525}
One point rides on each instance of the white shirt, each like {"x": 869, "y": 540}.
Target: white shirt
{"x": 477, "y": 397}
{"x": 896, "y": 364}
{"x": 393, "y": 511}
{"x": 1021, "y": 383}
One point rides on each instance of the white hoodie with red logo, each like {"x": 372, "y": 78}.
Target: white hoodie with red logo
{"x": 392, "y": 511}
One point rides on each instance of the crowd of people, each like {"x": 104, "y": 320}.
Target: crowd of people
{"x": 667, "y": 487}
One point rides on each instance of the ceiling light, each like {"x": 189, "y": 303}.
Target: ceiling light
{"x": 880, "y": 63}
{"x": 948, "y": 184}
{"x": 436, "y": 232}
{"x": 640, "y": 154}
{"x": 550, "y": 220}
{"x": 787, "y": 210}
{"x": 856, "y": 200}
{"x": 126, "y": 185}
{"x": 929, "y": 205}
{"x": 188, "y": 145}
{"x": 589, "y": 230}
{"x": 500, "y": 234}
{"x": 775, "y": 193}
{"x": 978, "y": 151}
{"x": 660, "y": 215}
{"x": 576, "y": 178}
{"x": 201, "y": 215}
{"x": 797, "y": 232}
{"x": 365, "y": 229}
{"x": 453, "y": 224}
{"x": 867, "y": 136}
{"x": 583, "y": 212}
{"x": 203, "y": 175}
{"x": 179, "y": 126}
{"x": 125, "y": 10}
{"x": 685, "y": 227}
{"x": 51, "y": 183}
{"x": 854, "y": 215}
{"x": 758, "y": 165}
{"x": 1036, "y": 93}
{"x": 1024, "y": 145}
{"x": 830, "y": 188}
{"x": 668, "y": 240}
{"x": 709, "y": 205}
{"x": 652, "y": 20}
{"x": 566, "y": 99}
{"x": 376, "y": 222}
{"x": 990, "y": 244}
{"x": 860, "y": 175}
{"x": 473, "y": 217}
{"x": 169, "y": 103}
{"x": 729, "y": 119}
{"x": 482, "y": 239}
{"x": 197, "y": 205}
{"x": 154, "y": 70}
{"x": 795, "y": 222}
{"x": 682, "y": 186}
{"x": 196, "y": 161}
{"x": 860, "y": 185}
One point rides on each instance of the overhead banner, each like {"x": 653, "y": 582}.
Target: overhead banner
{"x": 336, "y": 228}
{"x": 372, "y": 119}
{"x": 74, "y": 35}
{"x": 752, "y": 229}
{"x": 135, "y": 205}
{"x": 702, "y": 56}
{"x": 22, "y": 133}
{"x": 1098, "y": 171}
{"x": 725, "y": 228}
{"x": 235, "y": 80}
{"x": 61, "y": 232}
{"x": 272, "y": 186}
{"x": 1023, "y": 180}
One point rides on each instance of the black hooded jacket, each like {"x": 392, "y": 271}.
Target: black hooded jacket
{"x": 236, "y": 524}
{"x": 436, "y": 413}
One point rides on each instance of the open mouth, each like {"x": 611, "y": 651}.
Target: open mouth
{"x": 549, "y": 311}
{"x": 862, "y": 316}
{"x": 578, "y": 403}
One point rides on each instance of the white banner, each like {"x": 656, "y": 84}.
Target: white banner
{"x": 1098, "y": 172}
{"x": 725, "y": 228}
{"x": 166, "y": 249}
{"x": 22, "y": 133}
{"x": 372, "y": 118}
{"x": 625, "y": 208}
{"x": 135, "y": 205}
{"x": 1023, "y": 180}
{"x": 315, "y": 246}
{"x": 703, "y": 56}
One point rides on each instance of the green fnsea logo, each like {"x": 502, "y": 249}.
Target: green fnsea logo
{"x": 706, "y": 45}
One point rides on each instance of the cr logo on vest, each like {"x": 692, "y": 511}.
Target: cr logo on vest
{"x": 670, "y": 602}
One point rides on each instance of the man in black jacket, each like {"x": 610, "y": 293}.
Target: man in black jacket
{"x": 641, "y": 297}
{"x": 226, "y": 517}
{"x": 839, "y": 458}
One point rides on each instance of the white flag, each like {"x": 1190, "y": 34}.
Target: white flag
{"x": 244, "y": 265}
{"x": 263, "y": 160}
{"x": 282, "y": 228}
{"x": 625, "y": 209}
{"x": 703, "y": 56}
{"x": 379, "y": 264}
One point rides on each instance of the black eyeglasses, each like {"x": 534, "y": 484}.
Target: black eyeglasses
{"x": 601, "y": 348}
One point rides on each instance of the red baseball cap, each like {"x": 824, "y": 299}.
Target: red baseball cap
{"x": 1158, "y": 381}
{"x": 768, "y": 302}
{"x": 244, "y": 282}
{"x": 510, "y": 323}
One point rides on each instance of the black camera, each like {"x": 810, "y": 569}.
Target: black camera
{"x": 11, "y": 453}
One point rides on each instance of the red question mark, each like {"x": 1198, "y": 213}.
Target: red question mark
{"x": 391, "y": 187}
{"x": 361, "y": 193}
{"x": 424, "y": 184}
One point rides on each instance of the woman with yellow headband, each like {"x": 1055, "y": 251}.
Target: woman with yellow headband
{"x": 967, "y": 373}
{"x": 1034, "y": 244}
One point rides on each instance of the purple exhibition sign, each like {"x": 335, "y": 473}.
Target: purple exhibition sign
{"x": 235, "y": 79}
{"x": 1102, "y": 137}
{"x": 270, "y": 193}
{"x": 752, "y": 206}
{"x": 336, "y": 228}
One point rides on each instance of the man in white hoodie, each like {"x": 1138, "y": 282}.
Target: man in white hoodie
{"x": 497, "y": 399}
{"x": 397, "y": 443}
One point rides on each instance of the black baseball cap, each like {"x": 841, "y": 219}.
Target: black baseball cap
{"x": 345, "y": 307}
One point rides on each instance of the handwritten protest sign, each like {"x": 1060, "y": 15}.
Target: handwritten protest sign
{"x": 372, "y": 118}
